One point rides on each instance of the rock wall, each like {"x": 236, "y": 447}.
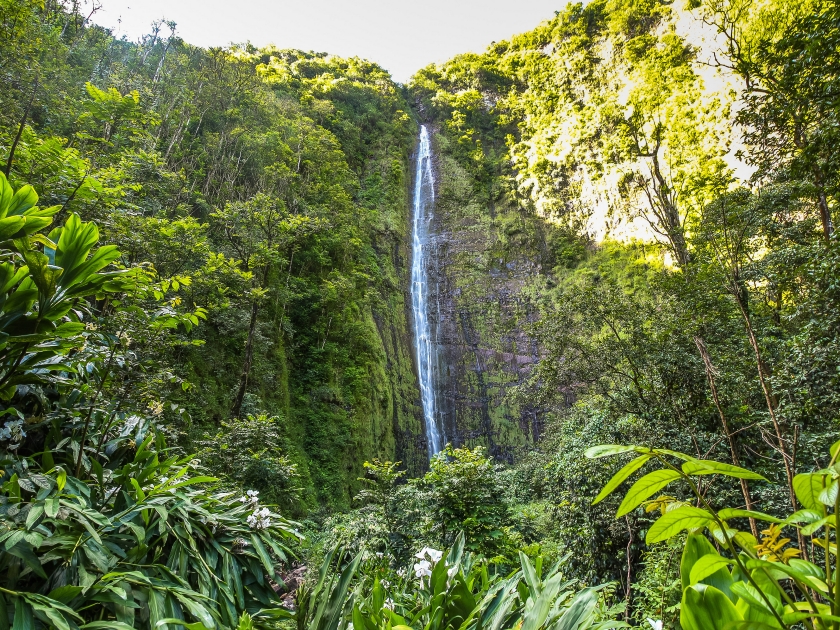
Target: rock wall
{"x": 485, "y": 257}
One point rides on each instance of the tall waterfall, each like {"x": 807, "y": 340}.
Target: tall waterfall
{"x": 424, "y": 203}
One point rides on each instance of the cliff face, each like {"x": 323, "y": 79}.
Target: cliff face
{"x": 548, "y": 144}
{"x": 483, "y": 259}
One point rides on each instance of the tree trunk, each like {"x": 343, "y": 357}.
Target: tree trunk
{"x": 246, "y": 365}
{"x": 21, "y": 127}
{"x": 825, "y": 215}
{"x": 733, "y": 452}
{"x": 787, "y": 459}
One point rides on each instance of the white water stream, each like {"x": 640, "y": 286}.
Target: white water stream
{"x": 424, "y": 202}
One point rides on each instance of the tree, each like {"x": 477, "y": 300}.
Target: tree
{"x": 262, "y": 234}
{"x": 790, "y": 64}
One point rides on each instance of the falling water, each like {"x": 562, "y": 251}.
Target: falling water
{"x": 424, "y": 201}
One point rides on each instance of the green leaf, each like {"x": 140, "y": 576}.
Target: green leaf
{"x": 24, "y": 619}
{"x": 530, "y": 575}
{"x": 581, "y": 608}
{"x": 24, "y": 199}
{"x": 646, "y": 487}
{"x": 65, "y": 594}
{"x": 10, "y": 227}
{"x": 51, "y": 506}
{"x": 697, "y": 547}
{"x": 605, "y": 450}
{"x": 727, "y": 513}
{"x": 263, "y": 554}
{"x": 197, "y": 610}
{"x": 672, "y": 523}
{"x": 707, "y": 566}
{"x": 181, "y": 623}
{"x": 711, "y": 467}
{"x": 620, "y": 476}
{"x": 13, "y": 538}
{"x": 35, "y": 512}
{"x": 706, "y": 608}
{"x": 755, "y": 598}
{"x": 193, "y": 480}
{"x": 808, "y": 487}
{"x": 804, "y": 517}
{"x": 829, "y": 495}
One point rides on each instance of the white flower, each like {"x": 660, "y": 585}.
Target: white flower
{"x": 401, "y": 572}
{"x": 452, "y": 572}
{"x": 253, "y": 497}
{"x": 13, "y": 430}
{"x": 260, "y": 519}
{"x": 130, "y": 424}
{"x": 422, "y": 569}
{"x": 385, "y": 583}
{"x": 656, "y": 624}
{"x": 433, "y": 554}
{"x": 389, "y": 604}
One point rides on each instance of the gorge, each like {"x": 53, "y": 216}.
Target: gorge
{"x": 264, "y": 309}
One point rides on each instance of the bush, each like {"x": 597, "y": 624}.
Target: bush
{"x": 252, "y": 452}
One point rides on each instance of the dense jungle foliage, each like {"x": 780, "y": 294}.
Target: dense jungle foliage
{"x": 204, "y": 327}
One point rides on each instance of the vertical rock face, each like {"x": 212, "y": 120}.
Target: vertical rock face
{"x": 482, "y": 259}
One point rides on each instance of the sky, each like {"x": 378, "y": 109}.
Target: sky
{"x": 399, "y": 35}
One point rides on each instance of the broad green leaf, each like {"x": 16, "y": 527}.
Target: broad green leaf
{"x": 711, "y": 467}
{"x": 829, "y": 495}
{"x": 35, "y": 512}
{"x": 11, "y": 226}
{"x": 65, "y": 594}
{"x": 580, "y": 609}
{"x": 804, "y": 517}
{"x": 808, "y": 487}
{"x": 605, "y": 450}
{"x": 672, "y": 523}
{"x": 262, "y": 554}
{"x": 706, "y": 608}
{"x": 646, "y": 487}
{"x": 757, "y": 598}
{"x": 6, "y": 194}
{"x": 706, "y": 566}
{"x": 620, "y": 476}
{"x": 531, "y": 579}
{"x": 24, "y": 619}
{"x": 191, "y": 481}
{"x": 197, "y": 610}
{"x": 24, "y": 199}
{"x": 697, "y": 547}
{"x": 728, "y": 513}
{"x": 814, "y": 527}
{"x": 51, "y": 506}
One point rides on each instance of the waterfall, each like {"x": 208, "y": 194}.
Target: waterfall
{"x": 424, "y": 202}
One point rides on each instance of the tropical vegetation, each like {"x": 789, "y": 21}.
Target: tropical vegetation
{"x": 209, "y": 411}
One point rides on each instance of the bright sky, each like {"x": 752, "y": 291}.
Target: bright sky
{"x": 399, "y": 35}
